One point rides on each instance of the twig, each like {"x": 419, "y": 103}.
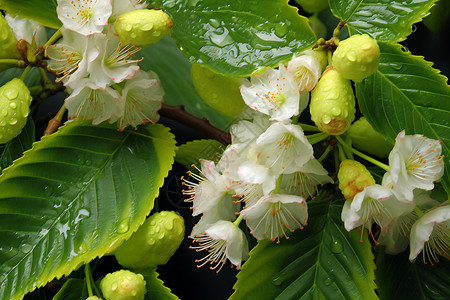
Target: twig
{"x": 178, "y": 113}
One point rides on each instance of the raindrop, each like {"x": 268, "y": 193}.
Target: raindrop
{"x": 5, "y": 112}
{"x": 364, "y": 13}
{"x": 326, "y": 119}
{"x": 328, "y": 281}
{"x": 214, "y": 23}
{"x": 277, "y": 281}
{"x": 12, "y": 94}
{"x": 114, "y": 286}
{"x": 123, "y": 226}
{"x": 82, "y": 214}
{"x": 25, "y": 248}
{"x": 156, "y": 33}
{"x": 13, "y": 121}
{"x": 414, "y": 28}
{"x": 397, "y": 67}
{"x": 129, "y": 27}
{"x": 147, "y": 27}
{"x": 222, "y": 39}
{"x": 281, "y": 29}
{"x": 13, "y": 105}
{"x": 336, "y": 247}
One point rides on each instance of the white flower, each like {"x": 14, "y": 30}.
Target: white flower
{"x": 306, "y": 70}
{"x": 211, "y": 188}
{"x": 245, "y": 132}
{"x": 273, "y": 93}
{"x": 304, "y": 181}
{"x": 226, "y": 210}
{"x": 84, "y": 16}
{"x": 115, "y": 61}
{"x": 222, "y": 240}
{"x": 431, "y": 234}
{"x": 89, "y": 102}
{"x": 415, "y": 162}
{"x": 273, "y": 216}
{"x": 284, "y": 148}
{"x": 26, "y": 29}
{"x": 375, "y": 204}
{"x": 70, "y": 58}
{"x": 395, "y": 236}
{"x": 122, "y": 6}
{"x": 143, "y": 97}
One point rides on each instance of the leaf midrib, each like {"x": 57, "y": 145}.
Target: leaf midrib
{"x": 82, "y": 190}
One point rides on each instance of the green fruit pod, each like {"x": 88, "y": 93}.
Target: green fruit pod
{"x": 123, "y": 285}
{"x": 365, "y": 138}
{"x": 312, "y": 6}
{"x": 353, "y": 178}
{"x": 332, "y": 105}
{"x": 7, "y": 43}
{"x": 153, "y": 243}
{"x": 357, "y": 57}
{"x": 219, "y": 92}
{"x": 143, "y": 27}
{"x": 15, "y": 100}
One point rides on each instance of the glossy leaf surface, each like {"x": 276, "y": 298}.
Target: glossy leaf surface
{"x": 191, "y": 152}
{"x": 173, "y": 69}
{"x": 398, "y": 278}
{"x": 382, "y": 19}
{"x": 322, "y": 261}
{"x": 155, "y": 287}
{"x": 77, "y": 194}
{"x": 42, "y": 11}
{"x": 237, "y": 37}
{"x": 406, "y": 93}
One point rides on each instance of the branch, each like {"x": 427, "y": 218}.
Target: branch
{"x": 178, "y": 113}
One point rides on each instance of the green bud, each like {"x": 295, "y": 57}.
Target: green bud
{"x": 353, "y": 178}
{"x": 365, "y": 138}
{"x": 153, "y": 243}
{"x": 123, "y": 285}
{"x": 356, "y": 57}
{"x": 143, "y": 27}
{"x": 93, "y": 298}
{"x": 7, "y": 43}
{"x": 312, "y": 6}
{"x": 220, "y": 92}
{"x": 15, "y": 100}
{"x": 332, "y": 104}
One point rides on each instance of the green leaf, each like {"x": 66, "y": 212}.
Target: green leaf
{"x": 33, "y": 77}
{"x": 406, "y": 93}
{"x": 173, "y": 69}
{"x": 382, "y": 19}
{"x": 238, "y": 37}
{"x": 77, "y": 194}
{"x": 155, "y": 287}
{"x": 191, "y": 152}
{"x": 73, "y": 289}
{"x": 15, "y": 147}
{"x": 398, "y": 278}
{"x": 42, "y": 11}
{"x": 322, "y": 261}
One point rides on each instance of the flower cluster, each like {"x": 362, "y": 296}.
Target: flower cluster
{"x": 402, "y": 205}
{"x": 268, "y": 172}
{"x": 100, "y": 71}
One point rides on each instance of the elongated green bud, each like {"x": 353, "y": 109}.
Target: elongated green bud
{"x": 15, "y": 100}
{"x": 143, "y": 27}
{"x": 153, "y": 243}
{"x": 123, "y": 285}
{"x": 365, "y": 138}
{"x": 356, "y": 57}
{"x": 353, "y": 178}
{"x": 332, "y": 104}
{"x": 220, "y": 92}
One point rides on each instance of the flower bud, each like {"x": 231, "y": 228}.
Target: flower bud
{"x": 7, "y": 42}
{"x": 353, "y": 178}
{"x": 153, "y": 243}
{"x": 220, "y": 92}
{"x": 356, "y": 57}
{"x": 365, "y": 138}
{"x": 123, "y": 285}
{"x": 143, "y": 27}
{"x": 332, "y": 104}
{"x": 15, "y": 100}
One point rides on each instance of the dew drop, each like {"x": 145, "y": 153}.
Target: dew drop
{"x": 123, "y": 226}
{"x": 277, "y": 281}
{"x": 5, "y": 112}
{"x": 214, "y": 23}
{"x": 221, "y": 39}
{"x": 133, "y": 292}
{"x": 114, "y": 286}
{"x": 397, "y": 67}
{"x": 25, "y": 248}
{"x": 328, "y": 281}
{"x": 281, "y": 30}
{"x": 336, "y": 247}
{"x": 169, "y": 225}
{"x": 129, "y": 27}
{"x": 13, "y": 105}
{"x": 156, "y": 33}
{"x": 326, "y": 119}
{"x": 364, "y": 13}
{"x": 133, "y": 35}
{"x": 147, "y": 27}
{"x": 151, "y": 241}
{"x": 351, "y": 57}
{"x": 12, "y": 94}
{"x": 336, "y": 111}
{"x": 13, "y": 121}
